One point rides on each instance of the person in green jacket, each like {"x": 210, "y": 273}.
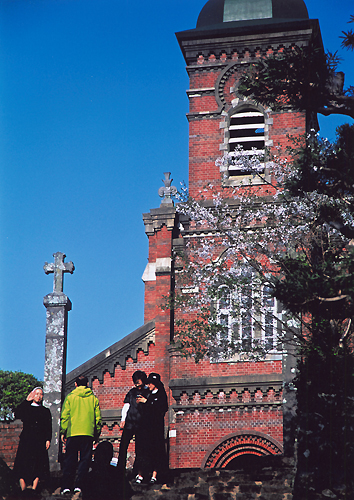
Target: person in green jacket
{"x": 80, "y": 426}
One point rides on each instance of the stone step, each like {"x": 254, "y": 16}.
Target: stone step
{"x": 210, "y": 484}
{"x": 271, "y": 481}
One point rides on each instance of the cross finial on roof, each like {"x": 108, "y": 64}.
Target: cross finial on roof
{"x": 58, "y": 268}
{"x": 167, "y": 191}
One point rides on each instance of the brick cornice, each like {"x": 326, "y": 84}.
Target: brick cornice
{"x": 221, "y": 407}
{"x": 237, "y": 38}
{"x": 158, "y": 217}
{"x": 111, "y": 417}
{"x": 214, "y": 385}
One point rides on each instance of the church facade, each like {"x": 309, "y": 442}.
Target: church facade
{"x": 218, "y": 411}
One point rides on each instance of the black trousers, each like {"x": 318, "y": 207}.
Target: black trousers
{"x": 127, "y": 436}
{"x": 74, "y": 445}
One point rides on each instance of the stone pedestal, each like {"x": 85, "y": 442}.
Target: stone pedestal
{"x": 57, "y": 305}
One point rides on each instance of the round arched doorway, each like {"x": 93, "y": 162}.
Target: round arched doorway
{"x": 241, "y": 446}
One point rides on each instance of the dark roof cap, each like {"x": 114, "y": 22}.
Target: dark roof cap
{"x": 216, "y": 12}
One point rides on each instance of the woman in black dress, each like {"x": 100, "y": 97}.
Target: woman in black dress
{"x": 31, "y": 463}
{"x": 150, "y": 439}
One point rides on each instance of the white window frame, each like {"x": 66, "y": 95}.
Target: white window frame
{"x": 257, "y": 319}
{"x": 230, "y": 176}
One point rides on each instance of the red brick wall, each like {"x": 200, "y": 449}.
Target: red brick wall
{"x": 205, "y": 134}
{"x": 9, "y": 439}
{"x": 198, "y": 431}
{"x": 187, "y": 368}
{"x": 113, "y": 390}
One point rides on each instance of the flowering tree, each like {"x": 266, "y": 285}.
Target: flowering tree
{"x": 273, "y": 263}
{"x": 295, "y": 239}
{"x": 290, "y": 242}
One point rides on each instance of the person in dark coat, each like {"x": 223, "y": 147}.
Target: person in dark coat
{"x": 150, "y": 440}
{"x": 31, "y": 462}
{"x": 103, "y": 480}
{"x": 131, "y": 417}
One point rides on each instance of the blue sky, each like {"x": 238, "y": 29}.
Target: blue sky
{"x": 92, "y": 112}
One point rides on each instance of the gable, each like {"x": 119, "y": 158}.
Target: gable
{"x": 116, "y": 354}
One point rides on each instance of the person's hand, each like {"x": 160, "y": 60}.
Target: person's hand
{"x": 63, "y": 438}
{"x": 47, "y": 445}
{"x": 122, "y": 424}
{"x": 141, "y": 399}
{"x": 30, "y": 396}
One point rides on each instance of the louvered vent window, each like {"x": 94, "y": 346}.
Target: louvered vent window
{"x": 247, "y": 130}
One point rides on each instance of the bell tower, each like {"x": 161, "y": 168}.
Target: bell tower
{"x": 230, "y": 35}
{"x": 220, "y": 410}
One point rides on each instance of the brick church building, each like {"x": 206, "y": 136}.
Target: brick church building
{"x": 218, "y": 411}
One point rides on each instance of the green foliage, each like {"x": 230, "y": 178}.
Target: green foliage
{"x": 304, "y": 78}
{"x": 325, "y": 397}
{"x": 14, "y": 388}
{"x": 348, "y": 38}
{"x": 299, "y": 77}
{"x": 318, "y": 279}
{"x": 324, "y": 167}
{"x": 319, "y": 283}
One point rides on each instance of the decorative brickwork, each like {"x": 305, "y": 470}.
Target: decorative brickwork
{"x": 117, "y": 354}
{"x": 243, "y": 443}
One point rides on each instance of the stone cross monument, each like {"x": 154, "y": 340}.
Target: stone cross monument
{"x": 57, "y": 305}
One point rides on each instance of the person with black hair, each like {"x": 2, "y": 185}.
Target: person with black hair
{"x": 102, "y": 480}
{"x": 80, "y": 426}
{"x": 31, "y": 463}
{"x": 150, "y": 438}
{"x": 131, "y": 417}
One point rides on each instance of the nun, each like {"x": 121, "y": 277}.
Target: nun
{"x": 31, "y": 462}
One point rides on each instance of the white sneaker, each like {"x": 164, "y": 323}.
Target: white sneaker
{"x": 138, "y": 479}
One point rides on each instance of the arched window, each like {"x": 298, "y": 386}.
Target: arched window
{"x": 249, "y": 315}
{"x": 246, "y": 128}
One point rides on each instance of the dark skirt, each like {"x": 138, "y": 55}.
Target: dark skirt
{"x": 31, "y": 459}
{"x": 150, "y": 449}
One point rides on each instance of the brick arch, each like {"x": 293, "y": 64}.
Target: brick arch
{"x": 240, "y": 443}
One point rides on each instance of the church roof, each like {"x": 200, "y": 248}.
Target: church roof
{"x": 250, "y": 12}
{"x": 248, "y": 21}
{"x": 116, "y": 354}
